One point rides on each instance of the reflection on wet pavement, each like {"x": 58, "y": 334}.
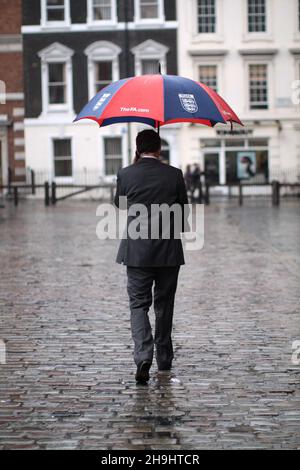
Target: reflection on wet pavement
{"x": 69, "y": 378}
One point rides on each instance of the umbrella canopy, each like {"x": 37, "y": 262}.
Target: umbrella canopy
{"x": 158, "y": 100}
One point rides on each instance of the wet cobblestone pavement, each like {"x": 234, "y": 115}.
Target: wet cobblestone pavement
{"x": 69, "y": 378}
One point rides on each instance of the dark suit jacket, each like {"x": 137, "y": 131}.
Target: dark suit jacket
{"x": 150, "y": 181}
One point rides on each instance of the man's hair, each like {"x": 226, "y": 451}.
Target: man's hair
{"x": 147, "y": 141}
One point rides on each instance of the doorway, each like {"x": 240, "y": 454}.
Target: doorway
{"x": 212, "y": 167}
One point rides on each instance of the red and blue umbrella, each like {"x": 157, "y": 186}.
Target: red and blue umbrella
{"x": 158, "y": 100}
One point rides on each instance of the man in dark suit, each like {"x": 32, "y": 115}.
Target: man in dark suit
{"x": 152, "y": 260}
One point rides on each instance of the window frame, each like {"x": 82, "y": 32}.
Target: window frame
{"x": 215, "y": 23}
{"x": 116, "y": 136}
{"x": 101, "y": 51}
{"x": 151, "y": 50}
{"x": 56, "y": 53}
{"x": 221, "y": 149}
{"x": 95, "y": 64}
{"x": 54, "y": 24}
{"x": 208, "y": 61}
{"x": 58, "y": 105}
{"x": 258, "y": 35}
{"x": 266, "y": 19}
{"x": 61, "y": 179}
{"x": 217, "y": 74}
{"x": 142, "y": 21}
{"x": 92, "y": 22}
{"x": 217, "y": 36}
{"x": 267, "y": 87}
{"x": 260, "y": 61}
{"x": 147, "y": 59}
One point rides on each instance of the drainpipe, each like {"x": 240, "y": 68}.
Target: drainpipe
{"x": 126, "y": 54}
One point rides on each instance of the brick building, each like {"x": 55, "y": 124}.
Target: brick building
{"x": 12, "y": 155}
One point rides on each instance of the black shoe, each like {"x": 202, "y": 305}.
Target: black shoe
{"x": 142, "y": 372}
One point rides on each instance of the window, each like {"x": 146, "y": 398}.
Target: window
{"x": 103, "y": 65}
{"x": 208, "y": 76}
{"x": 258, "y": 86}
{"x": 206, "y": 16}
{"x": 55, "y": 10}
{"x": 149, "y": 10}
{"x": 257, "y": 16}
{"x": 234, "y": 143}
{"x": 101, "y": 11}
{"x": 245, "y": 159}
{"x": 62, "y": 153}
{"x": 249, "y": 165}
{"x": 150, "y": 66}
{"x": 148, "y": 55}
{"x": 113, "y": 154}
{"x": 57, "y": 80}
{"x": 57, "y": 83}
{"x": 103, "y": 74}
{"x": 258, "y": 143}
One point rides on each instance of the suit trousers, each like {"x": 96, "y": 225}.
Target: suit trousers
{"x": 139, "y": 287}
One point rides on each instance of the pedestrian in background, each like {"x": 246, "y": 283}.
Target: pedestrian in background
{"x": 188, "y": 177}
{"x": 197, "y": 184}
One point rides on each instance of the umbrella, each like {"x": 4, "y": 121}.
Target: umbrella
{"x": 158, "y": 100}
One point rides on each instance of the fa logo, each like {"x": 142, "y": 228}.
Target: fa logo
{"x": 188, "y": 102}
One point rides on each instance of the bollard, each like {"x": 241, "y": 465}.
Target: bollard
{"x": 53, "y": 192}
{"x": 9, "y": 180}
{"x": 240, "y": 194}
{"x": 207, "y": 199}
{"x": 32, "y": 181}
{"x": 47, "y": 198}
{"x": 275, "y": 193}
{"x": 16, "y": 196}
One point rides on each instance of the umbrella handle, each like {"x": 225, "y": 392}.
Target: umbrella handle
{"x": 158, "y": 127}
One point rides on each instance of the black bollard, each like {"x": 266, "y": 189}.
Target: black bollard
{"x": 47, "y": 195}
{"x": 16, "y": 196}
{"x": 275, "y": 193}
{"x": 9, "y": 180}
{"x": 53, "y": 192}
{"x": 32, "y": 181}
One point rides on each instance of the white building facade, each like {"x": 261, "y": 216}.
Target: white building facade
{"x": 249, "y": 52}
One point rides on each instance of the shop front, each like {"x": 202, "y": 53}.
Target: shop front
{"x": 228, "y": 160}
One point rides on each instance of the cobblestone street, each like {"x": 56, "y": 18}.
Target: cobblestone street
{"x": 69, "y": 378}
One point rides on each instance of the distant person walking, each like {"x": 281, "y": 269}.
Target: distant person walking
{"x": 197, "y": 185}
{"x": 188, "y": 177}
{"x": 151, "y": 261}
